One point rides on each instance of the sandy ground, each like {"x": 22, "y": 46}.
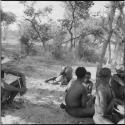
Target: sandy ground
{"x": 41, "y": 105}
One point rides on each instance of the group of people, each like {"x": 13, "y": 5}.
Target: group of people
{"x": 106, "y": 106}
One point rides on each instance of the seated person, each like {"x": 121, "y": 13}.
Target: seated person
{"x": 89, "y": 86}
{"x": 9, "y": 91}
{"x": 88, "y": 82}
{"x": 64, "y": 77}
{"x": 76, "y": 97}
{"x": 117, "y": 85}
{"x": 104, "y": 102}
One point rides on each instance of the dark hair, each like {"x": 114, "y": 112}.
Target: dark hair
{"x": 104, "y": 73}
{"x": 2, "y": 74}
{"x": 2, "y": 57}
{"x": 88, "y": 73}
{"x": 80, "y": 72}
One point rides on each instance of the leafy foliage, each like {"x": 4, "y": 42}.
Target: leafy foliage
{"x": 8, "y": 17}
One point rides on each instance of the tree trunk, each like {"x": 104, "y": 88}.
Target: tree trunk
{"x": 104, "y": 52}
{"x": 71, "y": 36}
{"x": 124, "y": 55}
{"x": 109, "y": 52}
{"x": 111, "y": 17}
{"x": 80, "y": 53}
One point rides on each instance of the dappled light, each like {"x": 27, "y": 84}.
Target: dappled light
{"x": 61, "y": 58}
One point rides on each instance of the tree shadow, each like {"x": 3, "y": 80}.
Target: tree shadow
{"x": 42, "y": 106}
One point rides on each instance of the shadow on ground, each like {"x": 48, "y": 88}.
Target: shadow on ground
{"x": 42, "y": 106}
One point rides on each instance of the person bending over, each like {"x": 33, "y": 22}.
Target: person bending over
{"x": 64, "y": 77}
{"x": 76, "y": 96}
{"x": 118, "y": 86}
{"x": 9, "y": 91}
{"x": 104, "y": 102}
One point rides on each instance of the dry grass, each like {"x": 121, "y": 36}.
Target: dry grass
{"x": 41, "y": 102}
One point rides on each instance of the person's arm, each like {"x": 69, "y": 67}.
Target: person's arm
{"x": 90, "y": 87}
{"x": 9, "y": 87}
{"x": 84, "y": 98}
{"x": 15, "y": 73}
{"x": 116, "y": 78}
{"x": 63, "y": 71}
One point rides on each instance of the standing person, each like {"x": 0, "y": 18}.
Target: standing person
{"x": 76, "y": 96}
{"x": 104, "y": 102}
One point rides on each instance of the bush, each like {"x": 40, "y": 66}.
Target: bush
{"x": 57, "y": 53}
{"x": 26, "y": 45}
{"x": 88, "y": 55}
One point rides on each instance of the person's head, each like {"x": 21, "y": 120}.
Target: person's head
{"x": 105, "y": 74}
{"x": 121, "y": 73}
{"x": 87, "y": 76}
{"x": 80, "y": 73}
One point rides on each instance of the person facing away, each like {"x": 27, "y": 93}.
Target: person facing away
{"x": 104, "y": 102}
{"x": 76, "y": 96}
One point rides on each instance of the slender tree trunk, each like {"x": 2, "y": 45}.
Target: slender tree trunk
{"x": 124, "y": 55}
{"x": 109, "y": 59}
{"x": 111, "y": 17}
{"x": 71, "y": 37}
{"x": 104, "y": 52}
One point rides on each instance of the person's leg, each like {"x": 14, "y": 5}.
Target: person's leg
{"x": 58, "y": 79}
{"x": 98, "y": 119}
{"x": 121, "y": 121}
{"x": 13, "y": 94}
{"x": 50, "y": 79}
{"x": 4, "y": 95}
{"x": 116, "y": 117}
{"x": 81, "y": 112}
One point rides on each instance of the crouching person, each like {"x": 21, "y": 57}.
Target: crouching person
{"x": 9, "y": 91}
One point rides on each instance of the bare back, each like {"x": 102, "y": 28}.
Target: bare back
{"x": 103, "y": 98}
{"x": 75, "y": 93}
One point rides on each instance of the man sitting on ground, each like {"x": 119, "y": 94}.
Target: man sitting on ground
{"x": 76, "y": 97}
{"x": 64, "y": 77}
{"x": 104, "y": 102}
{"x": 9, "y": 91}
